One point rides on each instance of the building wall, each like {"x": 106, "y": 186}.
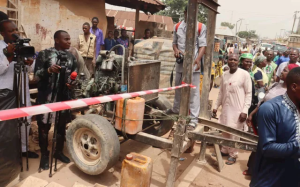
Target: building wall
{"x": 41, "y": 18}
{"x": 3, "y": 3}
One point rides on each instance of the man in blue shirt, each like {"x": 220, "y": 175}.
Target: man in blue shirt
{"x": 110, "y": 41}
{"x": 284, "y": 58}
{"x": 278, "y": 153}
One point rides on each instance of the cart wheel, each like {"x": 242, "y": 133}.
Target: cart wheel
{"x": 163, "y": 126}
{"x": 93, "y": 144}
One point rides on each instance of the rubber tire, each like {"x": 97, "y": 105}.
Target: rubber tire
{"x": 162, "y": 103}
{"x": 110, "y": 145}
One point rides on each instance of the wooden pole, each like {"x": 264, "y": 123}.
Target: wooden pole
{"x": 211, "y": 27}
{"x": 204, "y": 111}
{"x": 137, "y": 19}
{"x": 185, "y": 92}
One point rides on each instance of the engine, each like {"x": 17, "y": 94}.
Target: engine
{"x": 107, "y": 78}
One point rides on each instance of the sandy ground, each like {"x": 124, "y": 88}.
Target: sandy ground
{"x": 67, "y": 175}
{"x": 231, "y": 176}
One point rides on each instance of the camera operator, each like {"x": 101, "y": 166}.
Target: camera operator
{"x": 179, "y": 47}
{"x": 48, "y": 64}
{"x": 9, "y": 129}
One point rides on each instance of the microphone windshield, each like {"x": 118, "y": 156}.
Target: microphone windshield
{"x": 73, "y": 75}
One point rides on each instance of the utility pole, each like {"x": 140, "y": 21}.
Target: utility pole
{"x": 247, "y": 27}
{"x": 192, "y": 15}
{"x": 281, "y": 35}
{"x": 240, "y": 25}
{"x": 237, "y": 26}
{"x": 295, "y": 17}
{"x": 298, "y": 29}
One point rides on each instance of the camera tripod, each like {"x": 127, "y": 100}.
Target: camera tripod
{"x": 57, "y": 92}
{"x": 20, "y": 87}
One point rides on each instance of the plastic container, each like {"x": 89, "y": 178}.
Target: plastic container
{"x": 136, "y": 171}
{"x": 134, "y": 115}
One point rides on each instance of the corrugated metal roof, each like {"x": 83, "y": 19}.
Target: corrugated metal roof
{"x": 224, "y": 31}
{"x": 128, "y": 18}
{"x": 151, "y": 6}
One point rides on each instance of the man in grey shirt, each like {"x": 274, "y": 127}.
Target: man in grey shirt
{"x": 179, "y": 41}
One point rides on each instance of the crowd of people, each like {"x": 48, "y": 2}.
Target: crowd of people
{"x": 257, "y": 90}
{"x": 260, "y": 91}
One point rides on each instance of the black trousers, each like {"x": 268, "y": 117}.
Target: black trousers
{"x": 43, "y": 128}
{"x": 10, "y": 144}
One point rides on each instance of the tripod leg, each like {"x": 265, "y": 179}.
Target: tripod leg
{"x": 54, "y": 142}
{"x": 24, "y": 91}
{"x": 26, "y": 139}
{"x": 18, "y": 78}
{"x": 20, "y": 137}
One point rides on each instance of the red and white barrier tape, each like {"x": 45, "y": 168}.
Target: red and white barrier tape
{"x": 66, "y": 105}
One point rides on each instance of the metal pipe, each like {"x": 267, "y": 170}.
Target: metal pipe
{"x": 123, "y": 61}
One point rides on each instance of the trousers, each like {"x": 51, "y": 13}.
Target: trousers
{"x": 194, "y": 96}
{"x": 89, "y": 65}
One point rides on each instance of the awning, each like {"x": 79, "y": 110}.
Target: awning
{"x": 151, "y": 6}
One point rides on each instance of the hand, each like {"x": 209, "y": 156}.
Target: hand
{"x": 214, "y": 114}
{"x": 54, "y": 69}
{"x": 70, "y": 86}
{"x": 249, "y": 120}
{"x": 197, "y": 62}
{"x": 11, "y": 48}
{"x": 242, "y": 117}
{"x": 94, "y": 63}
{"x": 177, "y": 52}
{"x": 29, "y": 61}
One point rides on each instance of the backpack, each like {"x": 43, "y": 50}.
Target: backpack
{"x": 199, "y": 27}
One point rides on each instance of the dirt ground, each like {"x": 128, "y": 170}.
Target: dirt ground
{"x": 231, "y": 176}
{"x": 206, "y": 175}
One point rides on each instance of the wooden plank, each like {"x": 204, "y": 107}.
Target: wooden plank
{"x": 185, "y": 92}
{"x": 9, "y": 9}
{"x": 219, "y": 157}
{"x": 249, "y": 146}
{"x": 229, "y": 130}
{"x": 13, "y": 3}
{"x": 149, "y": 139}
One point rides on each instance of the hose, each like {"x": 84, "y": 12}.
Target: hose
{"x": 123, "y": 61}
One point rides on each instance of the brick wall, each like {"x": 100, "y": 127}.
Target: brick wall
{"x": 41, "y": 18}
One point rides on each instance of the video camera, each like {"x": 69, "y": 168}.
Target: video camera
{"x": 63, "y": 58}
{"x": 179, "y": 60}
{"x": 23, "y": 51}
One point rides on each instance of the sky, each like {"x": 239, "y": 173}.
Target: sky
{"x": 267, "y": 17}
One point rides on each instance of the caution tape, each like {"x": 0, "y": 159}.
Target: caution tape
{"x": 67, "y": 105}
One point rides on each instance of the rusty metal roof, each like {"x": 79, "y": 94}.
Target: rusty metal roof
{"x": 128, "y": 18}
{"x": 151, "y": 6}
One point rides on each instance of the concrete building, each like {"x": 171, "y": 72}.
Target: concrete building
{"x": 39, "y": 19}
{"x": 225, "y": 33}
{"x": 294, "y": 41}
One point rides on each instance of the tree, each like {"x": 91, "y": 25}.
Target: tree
{"x": 227, "y": 24}
{"x": 175, "y": 9}
{"x": 247, "y": 34}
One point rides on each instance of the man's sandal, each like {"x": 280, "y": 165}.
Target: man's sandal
{"x": 246, "y": 172}
{"x": 230, "y": 161}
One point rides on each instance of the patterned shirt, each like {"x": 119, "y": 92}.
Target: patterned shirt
{"x": 46, "y": 59}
